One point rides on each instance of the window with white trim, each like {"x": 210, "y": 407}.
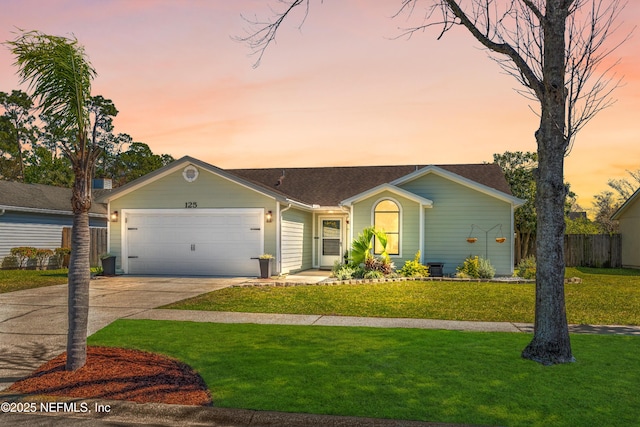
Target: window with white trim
{"x": 386, "y": 217}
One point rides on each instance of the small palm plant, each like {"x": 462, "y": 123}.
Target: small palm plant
{"x": 362, "y": 247}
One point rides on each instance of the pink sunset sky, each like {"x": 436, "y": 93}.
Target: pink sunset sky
{"x": 341, "y": 90}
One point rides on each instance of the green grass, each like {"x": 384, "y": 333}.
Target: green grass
{"x": 606, "y": 296}
{"x": 429, "y": 375}
{"x": 16, "y": 280}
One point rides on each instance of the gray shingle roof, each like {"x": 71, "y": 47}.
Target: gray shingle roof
{"x": 328, "y": 186}
{"x": 39, "y": 196}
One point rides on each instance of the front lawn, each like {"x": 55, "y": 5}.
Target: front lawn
{"x": 16, "y": 280}
{"x": 605, "y": 297}
{"x": 429, "y": 375}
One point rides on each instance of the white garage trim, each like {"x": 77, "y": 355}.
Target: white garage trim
{"x": 126, "y": 214}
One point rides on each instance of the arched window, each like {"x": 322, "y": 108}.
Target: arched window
{"x": 386, "y": 216}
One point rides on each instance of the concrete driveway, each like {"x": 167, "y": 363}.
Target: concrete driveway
{"x": 33, "y": 322}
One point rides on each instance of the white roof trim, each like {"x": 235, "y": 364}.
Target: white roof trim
{"x": 47, "y": 211}
{"x": 391, "y": 188}
{"x": 617, "y": 214}
{"x": 515, "y": 201}
{"x": 176, "y": 165}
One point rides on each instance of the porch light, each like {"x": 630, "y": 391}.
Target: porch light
{"x": 114, "y": 216}
{"x": 269, "y": 216}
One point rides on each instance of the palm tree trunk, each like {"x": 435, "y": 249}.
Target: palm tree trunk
{"x": 79, "y": 278}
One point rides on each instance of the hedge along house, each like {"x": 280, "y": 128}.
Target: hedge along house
{"x": 193, "y": 218}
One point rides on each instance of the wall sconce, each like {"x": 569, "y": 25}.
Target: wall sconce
{"x": 114, "y": 216}
{"x": 269, "y": 216}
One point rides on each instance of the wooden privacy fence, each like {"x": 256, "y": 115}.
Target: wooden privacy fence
{"x": 98, "y": 239}
{"x": 586, "y": 250}
{"x": 593, "y": 250}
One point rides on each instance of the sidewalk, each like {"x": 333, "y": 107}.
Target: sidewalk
{"x": 372, "y": 322}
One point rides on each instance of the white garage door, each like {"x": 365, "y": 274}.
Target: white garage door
{"x": 219, "y": 242}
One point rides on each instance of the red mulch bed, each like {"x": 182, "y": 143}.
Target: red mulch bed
{"x": 119, "y": 374}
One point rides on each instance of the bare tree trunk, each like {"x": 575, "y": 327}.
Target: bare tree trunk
{"x": 551, "y": 343}
{"x": 79, "y": 273}
{"x": 20, "y": 154}
{"x": 526, "y": 241}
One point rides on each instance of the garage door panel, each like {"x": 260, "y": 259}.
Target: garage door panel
{"x": 215, "y": 242}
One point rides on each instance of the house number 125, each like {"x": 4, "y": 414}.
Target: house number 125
{"x": 190, "y": 205}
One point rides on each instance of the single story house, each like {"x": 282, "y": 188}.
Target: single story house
{"x": 193, "y": 218}
{"x": 628, "y": 216}
{"x": 35, "y": 214}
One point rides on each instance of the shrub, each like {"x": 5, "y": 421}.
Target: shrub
{"x": 362, "y": 247}
{"x": 373, "y": 274}
{"x": 23, "y": 254}
{"x": 527, "y": 268}
{"x": 42, "y": 256}
{"x": 343, "y": 271}
{"x": 475, "y": 267}
{"x": 485, "y": 269}
{"x": 414, "y": 268}
{"x": 381, "y": 264}
{"x": 60, "y": 254}
{"x": 469, "y": 268}
{"x": 9, "y": 262}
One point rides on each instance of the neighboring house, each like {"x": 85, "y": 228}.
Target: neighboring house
{"x": 35, "y": 214}
{"x": 628, "y": 215}
{"x": 190, "y": 217}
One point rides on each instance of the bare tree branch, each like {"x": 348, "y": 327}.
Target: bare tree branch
{"x": 259, "y": 39}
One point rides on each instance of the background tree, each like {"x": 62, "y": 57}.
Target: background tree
{"x": 607, "y": 202}
{"x": 44, "y": 167}
{"x": 556, "y": 50}
{"x": 519, "y": 168}
{"x": 625, "y": 187}
{"x": 605, "y": 206}
{"x": 137, "y": 161}
{"x": 30, "y": 150}
{"x": 17, "y": 133}
{"x": 60, "y": 75}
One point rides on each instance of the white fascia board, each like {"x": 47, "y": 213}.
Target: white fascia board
{"x": 177, "y": 165}
{"x": 47, "y": 211}
{"x": 300, "y": 205}
{"x": 391, "y": 188}
{"x": 312, "y": 208}
{"x": 516, "y": 202}
{"x": 617, "y": 214}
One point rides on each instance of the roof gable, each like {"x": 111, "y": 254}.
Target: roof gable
{"x": 391, "y": 188}
{"x": 462, "y": 180}
{"x": 177, "y": 165}
{"x": 626, "y": 205}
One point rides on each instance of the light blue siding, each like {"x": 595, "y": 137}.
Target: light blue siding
{"x": 448, "y": 224}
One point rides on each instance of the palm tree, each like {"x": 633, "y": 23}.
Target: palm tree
{"x": 60, "y": 75}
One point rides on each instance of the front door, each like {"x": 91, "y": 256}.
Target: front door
{"x": 330, "y": 241}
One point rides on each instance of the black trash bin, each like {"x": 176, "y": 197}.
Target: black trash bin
{"x": 109, "y": 266}
{"x": 436, "y": 269}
